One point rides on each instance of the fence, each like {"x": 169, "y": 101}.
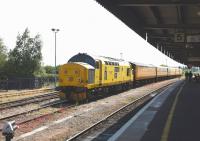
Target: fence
{"x": 26, "y": 83}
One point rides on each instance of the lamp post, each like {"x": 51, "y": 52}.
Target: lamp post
{"x": 55, "y": 31}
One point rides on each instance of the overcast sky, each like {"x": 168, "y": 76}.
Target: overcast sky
{"x": 85, "y": 26}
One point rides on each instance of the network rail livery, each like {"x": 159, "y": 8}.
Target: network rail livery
{"x": 85, "y": 76}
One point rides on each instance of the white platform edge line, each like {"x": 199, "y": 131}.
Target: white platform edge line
{"x": 124, "y": 127}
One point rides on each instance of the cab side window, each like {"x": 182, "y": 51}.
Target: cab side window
{"x": 97, "y": 65}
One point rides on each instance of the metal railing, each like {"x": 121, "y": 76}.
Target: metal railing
{"x": 26, "y": 83}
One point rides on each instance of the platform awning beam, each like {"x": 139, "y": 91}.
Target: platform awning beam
{"x": 156, "y": 3}
{"x": 172, "y": 26}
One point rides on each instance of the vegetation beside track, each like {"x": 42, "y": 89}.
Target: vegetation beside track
{"x": 21, "y": 67}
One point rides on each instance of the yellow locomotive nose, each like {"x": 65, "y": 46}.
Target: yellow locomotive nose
{"x": 73, "y": 80}
{"x": 70, "y": 75}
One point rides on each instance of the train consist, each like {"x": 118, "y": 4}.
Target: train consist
{"x": 84, "y": 75}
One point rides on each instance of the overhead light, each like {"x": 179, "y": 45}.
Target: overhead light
{"x": 198, "y": 13}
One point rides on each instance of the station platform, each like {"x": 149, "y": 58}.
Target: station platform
{"x": 173, "y": 115}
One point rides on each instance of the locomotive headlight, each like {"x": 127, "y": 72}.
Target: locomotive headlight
{"x": 60, "y": 80}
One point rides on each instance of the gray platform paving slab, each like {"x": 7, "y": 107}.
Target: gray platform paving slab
{"x": 186, "y": 120}
{"x": 185, "y": 124}
{"x": 136, "y": 128}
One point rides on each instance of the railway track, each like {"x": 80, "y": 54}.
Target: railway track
{"x": 30, "y": 111}
{"x": 30, "y": 100}
{"x": 29, "y": 92}
{"x": 17, "y": 116}
{"x": 43, "y": 116}
{"x": 114, "y": 118}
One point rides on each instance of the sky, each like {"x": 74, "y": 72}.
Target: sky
{"x": 85, "y": 26}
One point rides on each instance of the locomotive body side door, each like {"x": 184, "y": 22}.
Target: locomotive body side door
{"x": 100, "y": 73}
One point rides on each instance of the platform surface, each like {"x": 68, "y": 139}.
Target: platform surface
{"x": 173, "y": 115}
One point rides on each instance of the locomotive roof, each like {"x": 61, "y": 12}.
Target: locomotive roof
{"x": 83, "y": 57}
{"x": 91, "y": 59}
{"x": 162, "y": 67}
{"x": 86, "y": 65}
{"x": 109, "y": 59}
{"x": 142, "y": 64}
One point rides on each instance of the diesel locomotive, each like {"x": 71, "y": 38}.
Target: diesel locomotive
{"x": 85, "y": 75}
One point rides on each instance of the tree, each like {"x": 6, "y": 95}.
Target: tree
{"x": 25, "y": 58}
{"x": 49, "y": 69}
{"x": 3, "y": 57}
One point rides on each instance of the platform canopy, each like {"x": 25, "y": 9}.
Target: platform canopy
{"x": 172, "y": 26}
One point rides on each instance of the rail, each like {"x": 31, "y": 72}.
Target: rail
{"x": 135, "y": 104}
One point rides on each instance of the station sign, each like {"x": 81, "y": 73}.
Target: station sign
{"x": 194, "y": 59}
{"x": 179, "y": 37}
{"x": 193, "y": 38}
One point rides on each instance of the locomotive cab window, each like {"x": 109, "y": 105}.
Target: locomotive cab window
{"x": 97, "y": 65}
{"x": 91, "y": 74}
